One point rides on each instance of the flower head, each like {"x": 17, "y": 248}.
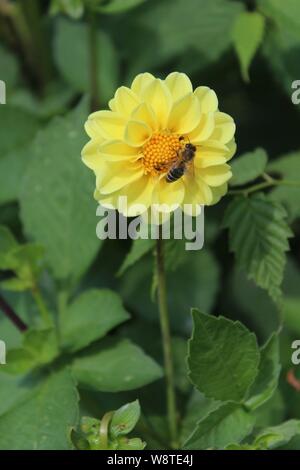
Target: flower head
{"x": 142, "y": 137}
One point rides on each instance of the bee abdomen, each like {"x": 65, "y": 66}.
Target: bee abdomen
{"x": 174, "y": 174}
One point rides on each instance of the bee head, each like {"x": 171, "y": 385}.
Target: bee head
{"x": 190, "y": 147}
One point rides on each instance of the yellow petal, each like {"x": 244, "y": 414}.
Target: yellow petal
{"x": 179, "y": 85}
{"x": 207, "y": 98}
{"x": 211, "y": 150}
{"x": 137, "y": 133}
{"x": 184, "y": 115}
{"x": 116, "y": 150}
{"x": 138, "y": 193}
{"x": 216, "y": 175}
{"x": 218, "y": 193}
{"x": 168, "y": 195}
{"x": 91, "y": 155}
{"x": 205, "y": 190}
{"x": 231, "y": 149}
{"x": 109, "y": 124}
{"x": 158, "y": 96}
{"x": 125, "y": 101}
{"x": 204, "y": 129}
{"x": 141, "y": 81}
{"x": 116, "y": 175}
{"x": 193, "y": 197}
{"x": 224, "y": 128}
{"x": 145, "y": 114}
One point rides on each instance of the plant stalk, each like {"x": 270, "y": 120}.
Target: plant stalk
{"x": 93, "y": 52}
{"x": 166, "y": 339}
{"x": 45, "y": 315}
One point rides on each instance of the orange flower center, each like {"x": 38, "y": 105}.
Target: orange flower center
{"x": 160, "y": 152}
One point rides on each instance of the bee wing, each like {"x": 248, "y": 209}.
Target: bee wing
{"x": 190, "y": 170}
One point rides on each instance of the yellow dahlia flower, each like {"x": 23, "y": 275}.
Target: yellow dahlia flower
{"x": 140, "y": 138}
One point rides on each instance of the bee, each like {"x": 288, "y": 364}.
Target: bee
{"x": 177, "y": 170}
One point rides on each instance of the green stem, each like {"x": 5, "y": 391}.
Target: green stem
{"x": 42, "y": 54}
{"x": 166, "y": 339}
{"x": 45, "y": 315}
{"x": 103, "y": 431}
{"x": 93, "y": 51}
{"x": 265, "y": 184}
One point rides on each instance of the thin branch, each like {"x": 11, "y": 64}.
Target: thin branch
{"x": 13, "y": 317}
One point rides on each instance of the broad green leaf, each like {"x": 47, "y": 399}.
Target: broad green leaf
{"x": 258, "y": 235}
{"x": 194, "y": 283}
{"x": 285, "y": 13}
{"x": 39, "y": 348}
{"x": 57, "y": 206}
{"x": 90, "y": 317}
{"x": 228, "y": 423}
{"x": 71, "y": 49}
{"x": 58, "y": 96}
{"x": 116, "y": 6}
{"x": 223, "y": 357}
{"x": 198, "y": 407}
{"x": 73, "y": 8}
{"x": 267, "y": 379}
{"x": 273, "y": 437}
{"x": 118, "y": 366}
{"x": 248, "y": 167}
{"x": 174, "y": 28}
{"x": 247, "y": 35}
{"x": 43, "y": 420}
{"x": 138, "y": 249}
{"x": 17, "y": 128}
{"x": 288, "y": 167}
{"x": 282, "y": 42}
{"x": 13, "y": 390}
{"x": 124, "y": 419}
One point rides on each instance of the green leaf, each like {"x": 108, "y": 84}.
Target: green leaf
{"x": 198, "y": 407}
{"x": 223, "y": 357}
{"x": 17, "y": 128}
{"x": 247, "y": 35}
{"x": 116, "y": 6}
{"x": 118, "y": 366}
{"x": 248, "y": 167}
{"x": 288, "y": 166}
{"x": 269, "y": 369}
{"x": 90, "y": 317}
{"x": 176, "y": 27}
{"x": 124, "y": 419}
{"x": 13, "y": 390}
{"x": 258, "y": 235}
{"x": 7, "y": 243}
{"x": 139, "y": 248}
{"x": 283, "y": 40}
{"x": 228, "y": 423}
{"x": 57, "y": 206}
{"x": 39, "y": 348}
{"x": 273, "y": 437}
{"x": 73, "y": 8}
{"x": 43, "y": 420}
{"x": 71, "y": 49}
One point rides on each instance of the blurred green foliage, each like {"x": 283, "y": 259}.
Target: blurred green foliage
{"x": 93, "y": 328}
